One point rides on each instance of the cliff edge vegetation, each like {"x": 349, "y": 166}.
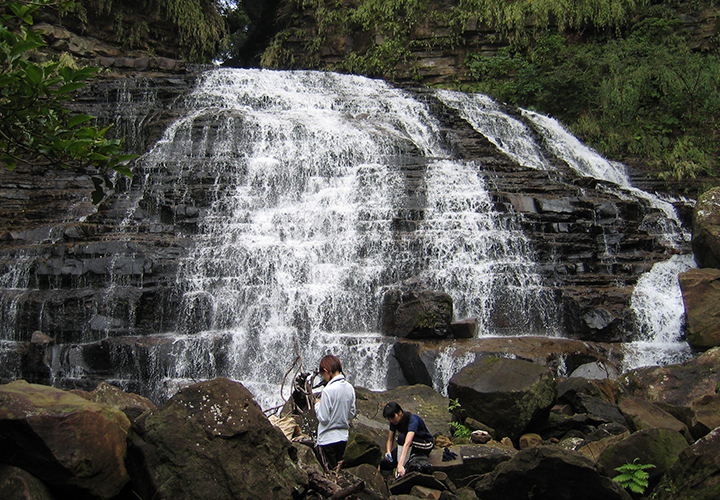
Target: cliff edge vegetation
{"x": 636, "y": 79}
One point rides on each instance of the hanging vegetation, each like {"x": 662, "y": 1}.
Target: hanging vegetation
{"x": 197, "y": 26}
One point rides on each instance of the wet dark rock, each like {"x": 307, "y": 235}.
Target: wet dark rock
{"x": 207, "y": 431}
{"x": 17, "y": 484}
{"x": 75, "y": 446}
{"x": 506, "y": 394}
{"x": 678, "y": 384}
{"x": 701, "y": 294}
{"x": 642, "y": 414}
{"x": 549, "y": 473}
{"x": 706, "y": 229}
{"x": 418, "y": 358}
{"x": 659, "y": 447}
{"x": 695, "y": 473}
{"x": 424, "y": 314}
{"x": 464, "y": 329}
{"x": 598, "y": 410}
{"x": 130, "y": 404}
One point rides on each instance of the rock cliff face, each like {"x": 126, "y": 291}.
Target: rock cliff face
{"x": 68, "y": 271}
{"x": 438, "y": 50}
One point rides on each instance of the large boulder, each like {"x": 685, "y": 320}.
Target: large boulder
{"x": 678, "y": 385}
{"x": 130, "y": 404}
{"x": 659, "y": 447}
{"x": 548, "y": 472}
{"x": 423, "y": 314}
{"x": 505, "y": 394}
{"x": 705, "y": 415}
{"x": 701, "y": 295}
{"x": 211, "y": 440}
{"x": 706, "y": 229}
{"x": 695, "y": 475}
{"x": 75, "y": 446}
{"x": 17, "y": 484}
{"x": 642, "y": 414}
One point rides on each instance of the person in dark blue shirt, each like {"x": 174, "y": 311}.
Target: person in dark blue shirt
{"x": 412, "y": 434}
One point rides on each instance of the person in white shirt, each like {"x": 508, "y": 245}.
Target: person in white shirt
{"x": 334, "y": 408}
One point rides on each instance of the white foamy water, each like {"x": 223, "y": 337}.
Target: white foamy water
{"x": 313, "y": 213}
{"x": 509, "y": 134}
{"x": 658, "y": 305}
{"x": 293, "y": 259}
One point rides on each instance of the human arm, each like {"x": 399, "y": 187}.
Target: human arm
{"x": 389, "y": 444}
{"x": 405, "y": 451}
{"x": 322, "y": 408}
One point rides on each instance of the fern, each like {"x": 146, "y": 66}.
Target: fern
{"x": 460, "y": 431}
{"x": 633, "y": 476}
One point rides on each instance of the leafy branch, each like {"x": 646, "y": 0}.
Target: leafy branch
{"x": 36, "y": 129}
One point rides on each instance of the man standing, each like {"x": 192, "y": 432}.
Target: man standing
{"x": 334, "y": 408}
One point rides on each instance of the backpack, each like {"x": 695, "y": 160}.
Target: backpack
{"x": 419, "y": 463}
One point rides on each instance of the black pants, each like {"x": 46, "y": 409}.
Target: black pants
{"x": 331, "y": 454}
{"x": 387, "y": 465}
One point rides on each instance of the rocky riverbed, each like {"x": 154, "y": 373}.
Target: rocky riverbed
{"x": 549, "y": 436}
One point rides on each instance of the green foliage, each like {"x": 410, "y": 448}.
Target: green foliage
{"x": 35, "y": 127}
{"x": 511, "y": 18}
{"x": 620, "y": 74}
{"x": 199, "y": 25}
{"x": 454, "y": 404}
{"x": 643, "y": 93}
{"x": 460, "y": 431}
{"x": 238, "y": 28}
{"x": 633, "y": 476}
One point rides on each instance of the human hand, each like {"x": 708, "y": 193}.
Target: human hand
{"x": 400, "y": 470}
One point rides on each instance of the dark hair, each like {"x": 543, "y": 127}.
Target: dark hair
{"x": 391, "y": 409}
{"x": 330, "y": 364}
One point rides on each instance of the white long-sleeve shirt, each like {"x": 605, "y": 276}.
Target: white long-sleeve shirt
{"x": 335, "y": 410}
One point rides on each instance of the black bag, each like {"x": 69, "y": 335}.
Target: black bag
{"x": 419, "y": 463}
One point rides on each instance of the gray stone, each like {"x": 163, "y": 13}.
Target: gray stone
{"x": 505, "y": 394}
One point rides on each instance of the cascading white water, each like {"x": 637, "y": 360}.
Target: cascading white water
{"x": 584, "y": 160}
{"x": 658, "y": 304}
{"x": 657, "y": 298}
{"x": 292, "y": 260}
{"x": 507, "y": 133}
{"x": 317, "y": 193}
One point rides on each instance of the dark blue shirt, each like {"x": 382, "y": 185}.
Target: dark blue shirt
{"x": 412, "y": 424}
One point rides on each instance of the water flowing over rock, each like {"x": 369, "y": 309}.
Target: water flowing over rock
{"x": 276, "y": 209}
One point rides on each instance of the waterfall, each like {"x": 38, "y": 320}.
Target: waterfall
{"x": 301, "y": 198}
{"x": 657, "y": 298}
{"x": 300, "y": 240}
{"x": 658, "y": 304}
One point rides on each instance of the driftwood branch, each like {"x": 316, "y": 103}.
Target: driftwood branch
{"x": 329, "y": 489}
{"x": 350, "y": 490}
